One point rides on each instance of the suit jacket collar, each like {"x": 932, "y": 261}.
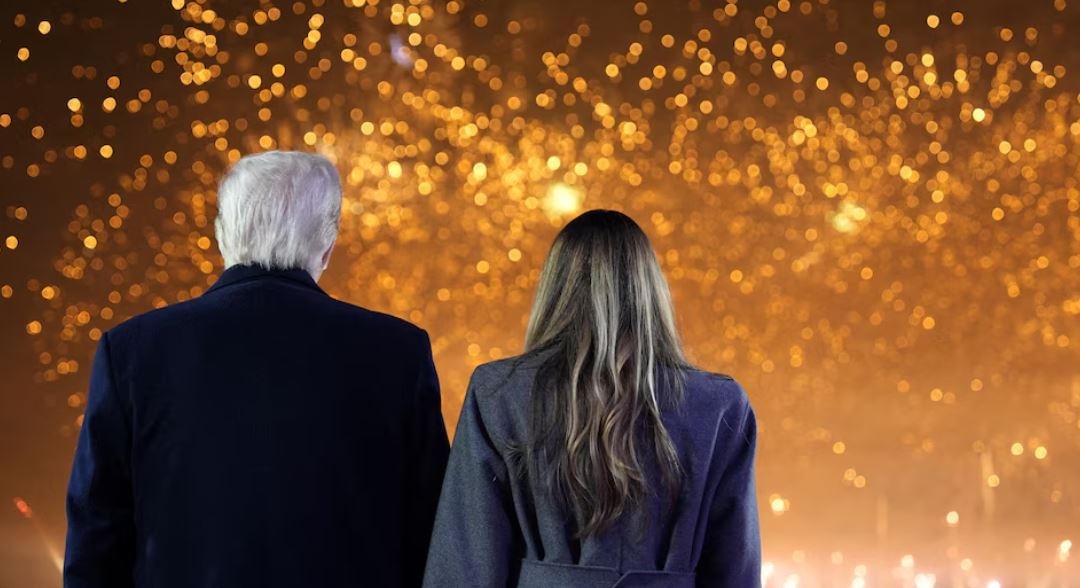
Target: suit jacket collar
{"x": 243, "y": 273}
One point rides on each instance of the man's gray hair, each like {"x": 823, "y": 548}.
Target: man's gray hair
{"x": 279, "y": 210}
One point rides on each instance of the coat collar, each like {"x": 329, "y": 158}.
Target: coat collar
{"x": 243, "y": 273}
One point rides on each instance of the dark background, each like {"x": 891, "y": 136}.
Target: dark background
{"x": 801, "y": 228}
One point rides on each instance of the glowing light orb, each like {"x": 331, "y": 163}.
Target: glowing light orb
{"x": 563, "y": 199}
{"x": 778, "y": 504}
{"x": 848, "y": 217}
{"x": 925, "y": 580}
{"x": 767, "y": 570}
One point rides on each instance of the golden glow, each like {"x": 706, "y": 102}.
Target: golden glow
{"x": 563, "y": 199}
{"x": 778, "y": 504}
{"x": 870, "y": 222}
{"x": 848, "y": 216}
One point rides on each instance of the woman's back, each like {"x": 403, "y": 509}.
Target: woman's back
{"x": 598, "y": 458}
{"x": 499, "y": 526}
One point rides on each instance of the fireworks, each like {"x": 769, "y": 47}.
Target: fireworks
{"x": 869, "y": 214}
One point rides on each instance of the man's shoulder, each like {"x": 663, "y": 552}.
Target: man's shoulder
{"x": 153, "y": 320}
{"x": 376, "y": 322}
{"x": 207, "y": 309}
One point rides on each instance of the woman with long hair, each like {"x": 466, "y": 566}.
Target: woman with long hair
{"x": 599, "y": 457}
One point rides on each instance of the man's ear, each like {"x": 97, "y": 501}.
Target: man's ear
{"x": 326, "y": 256}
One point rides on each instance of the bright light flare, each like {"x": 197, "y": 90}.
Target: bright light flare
{"x": 848, "y": 217}
{"x": 563, "y": 199}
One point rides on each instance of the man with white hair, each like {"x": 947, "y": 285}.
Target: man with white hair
{"x": 263, "y": 434}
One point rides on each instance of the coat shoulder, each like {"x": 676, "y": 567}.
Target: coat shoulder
{"x": 192, "y": 314}
{"x": 714, "y": 393}
{"x": 501, "y": 391}
{"x": 152, "y": 321}
{"x": 516, "y": 373}
{"x": 382, "y": 323}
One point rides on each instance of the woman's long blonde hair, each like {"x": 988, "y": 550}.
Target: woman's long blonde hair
{"x": 604, "y": 312}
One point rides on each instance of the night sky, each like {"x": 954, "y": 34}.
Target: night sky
{"x": 869, "y": 213}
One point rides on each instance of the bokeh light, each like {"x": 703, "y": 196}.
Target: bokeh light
{"x": 869, "y": 213}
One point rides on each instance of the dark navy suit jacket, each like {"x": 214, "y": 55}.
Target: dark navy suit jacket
{"x": 497, "y": 528}
{"x": 263, "y": 434}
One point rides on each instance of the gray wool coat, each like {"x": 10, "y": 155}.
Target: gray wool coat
{"x": 496, "y": 529}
